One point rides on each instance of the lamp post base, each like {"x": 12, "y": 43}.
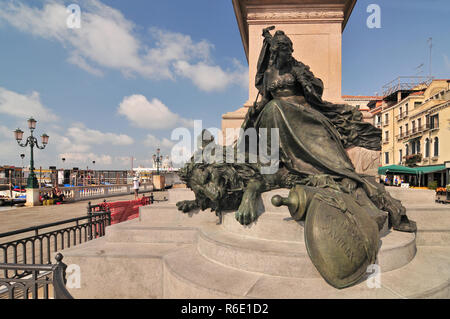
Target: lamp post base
{"x": 158, "y": 182}
{"x": 32, "y": 197}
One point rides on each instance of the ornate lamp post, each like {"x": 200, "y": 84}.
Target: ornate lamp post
{"x": 158, "y": 160}
{"x": 158, "y": 180}
{"x": 32, "y": 182}
{"x": 93, "y": 172}
{"x": 21, "y": 175}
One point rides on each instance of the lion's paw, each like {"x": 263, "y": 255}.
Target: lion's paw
{"x": 187, "y": 205}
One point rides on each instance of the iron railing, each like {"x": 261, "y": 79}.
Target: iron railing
{"x": 37, "y": 248}
{"x": 37, "y": 281}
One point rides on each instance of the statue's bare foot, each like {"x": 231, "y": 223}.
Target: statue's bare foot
{"x": 247, "y": 212}
{"x": 187, "y": 205}
{"x": 398, "y": 218}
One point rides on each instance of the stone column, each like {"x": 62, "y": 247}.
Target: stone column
{"x": 315, "y": 28}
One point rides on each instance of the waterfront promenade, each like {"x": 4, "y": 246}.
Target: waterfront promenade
{"x": 23, "y": 217}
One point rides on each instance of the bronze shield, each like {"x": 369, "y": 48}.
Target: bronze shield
{"x": 341, "y": 238}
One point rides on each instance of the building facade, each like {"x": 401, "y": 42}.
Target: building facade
{"x": 415, "y": 129}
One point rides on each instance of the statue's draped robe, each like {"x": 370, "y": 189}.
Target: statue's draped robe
{"x": 313, "y": 133}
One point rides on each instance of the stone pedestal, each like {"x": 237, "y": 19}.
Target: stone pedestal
{"x": 168, "y": 254}
{"x": 158, "y": 182}
{"x": 32, "y": 197}
{"x": 315, "y": 28}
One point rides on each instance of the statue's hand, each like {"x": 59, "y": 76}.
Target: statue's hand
{"x": 254, "y": 110}
{"x": 265, "y": 31}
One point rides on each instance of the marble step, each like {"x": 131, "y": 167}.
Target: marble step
{"x": 168, "y": 214}
{"x": 290, "y": 259}
{"x": 188, "y": 274}
{"x": 117, "y": 270}
{"x": 270, "y": 226}
{"x": 137, "y": 233}
{"x": 279, "y": 258}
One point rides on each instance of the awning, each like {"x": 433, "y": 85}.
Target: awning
{"x": 418, "y": 170}
{"x": 396, "y": 169}
{"x": 429, "y": 169}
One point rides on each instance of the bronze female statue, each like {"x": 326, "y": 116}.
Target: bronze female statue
{"x": 314, "y": 133}
{"x": 341, "y": 207}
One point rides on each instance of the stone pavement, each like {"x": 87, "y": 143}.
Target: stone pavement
{"x": 24, "y": 217}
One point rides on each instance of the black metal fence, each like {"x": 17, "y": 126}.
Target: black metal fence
{"x": 27, "y": 252}
{"x": 38, "y": 247}
{"x": 36, "y": 282}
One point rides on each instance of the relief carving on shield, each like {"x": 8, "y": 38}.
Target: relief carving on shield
{"x": 341, "y": 238}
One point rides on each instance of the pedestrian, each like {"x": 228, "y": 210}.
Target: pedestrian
{"x": 136, "y": 185}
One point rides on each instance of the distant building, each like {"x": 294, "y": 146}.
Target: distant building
{"x": 415, "y": 127}
{"x": 167, "y": 163}
{"x": 361, "y": 102}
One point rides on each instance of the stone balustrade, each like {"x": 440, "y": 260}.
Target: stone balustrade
{"x": 78, "y": 193}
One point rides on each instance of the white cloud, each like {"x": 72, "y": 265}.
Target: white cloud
{"x": 82, "y": 135}
{"x": 6, "y": 133}
{"x": 155, "y": 142}
{"x": 211, "y": 78}
{"x": 81, "y": 62}
{"x": 150, "y": 114}
{"x": 123, "y": 160}
{"x": 24, "y": 106}
{"x": 86, "y": 158}
{"x": 107, "y": 39}
{"x": 8, "y": 146}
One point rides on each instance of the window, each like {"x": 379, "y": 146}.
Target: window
{"x": 427, "y": 147}
{"x": 401, "y": 130}
{"x": 406, "y": 128}
{"x": 417, "y": 104}
{"x": 386, "y": 135}
{"x": 419, "y": 124}
{"x": 413, "y": 147}
{"x": 418, "y": 146}
{"x": 407, "y": 149}
{"x": 378, "y": 119}
{"x": 386, "y": 157}
{"x": 400, "y": 112}
{"x": 413, "y": 126}
{"x": 434, "y": 121}
{"x": 400, "y": 153}
{"x": 436, "y": 146}
{"x": 386, "y": 118}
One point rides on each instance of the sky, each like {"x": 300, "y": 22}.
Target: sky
{"x": 117, "y": 87}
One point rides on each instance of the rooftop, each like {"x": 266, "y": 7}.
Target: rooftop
{"x": 362, "y": 97}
